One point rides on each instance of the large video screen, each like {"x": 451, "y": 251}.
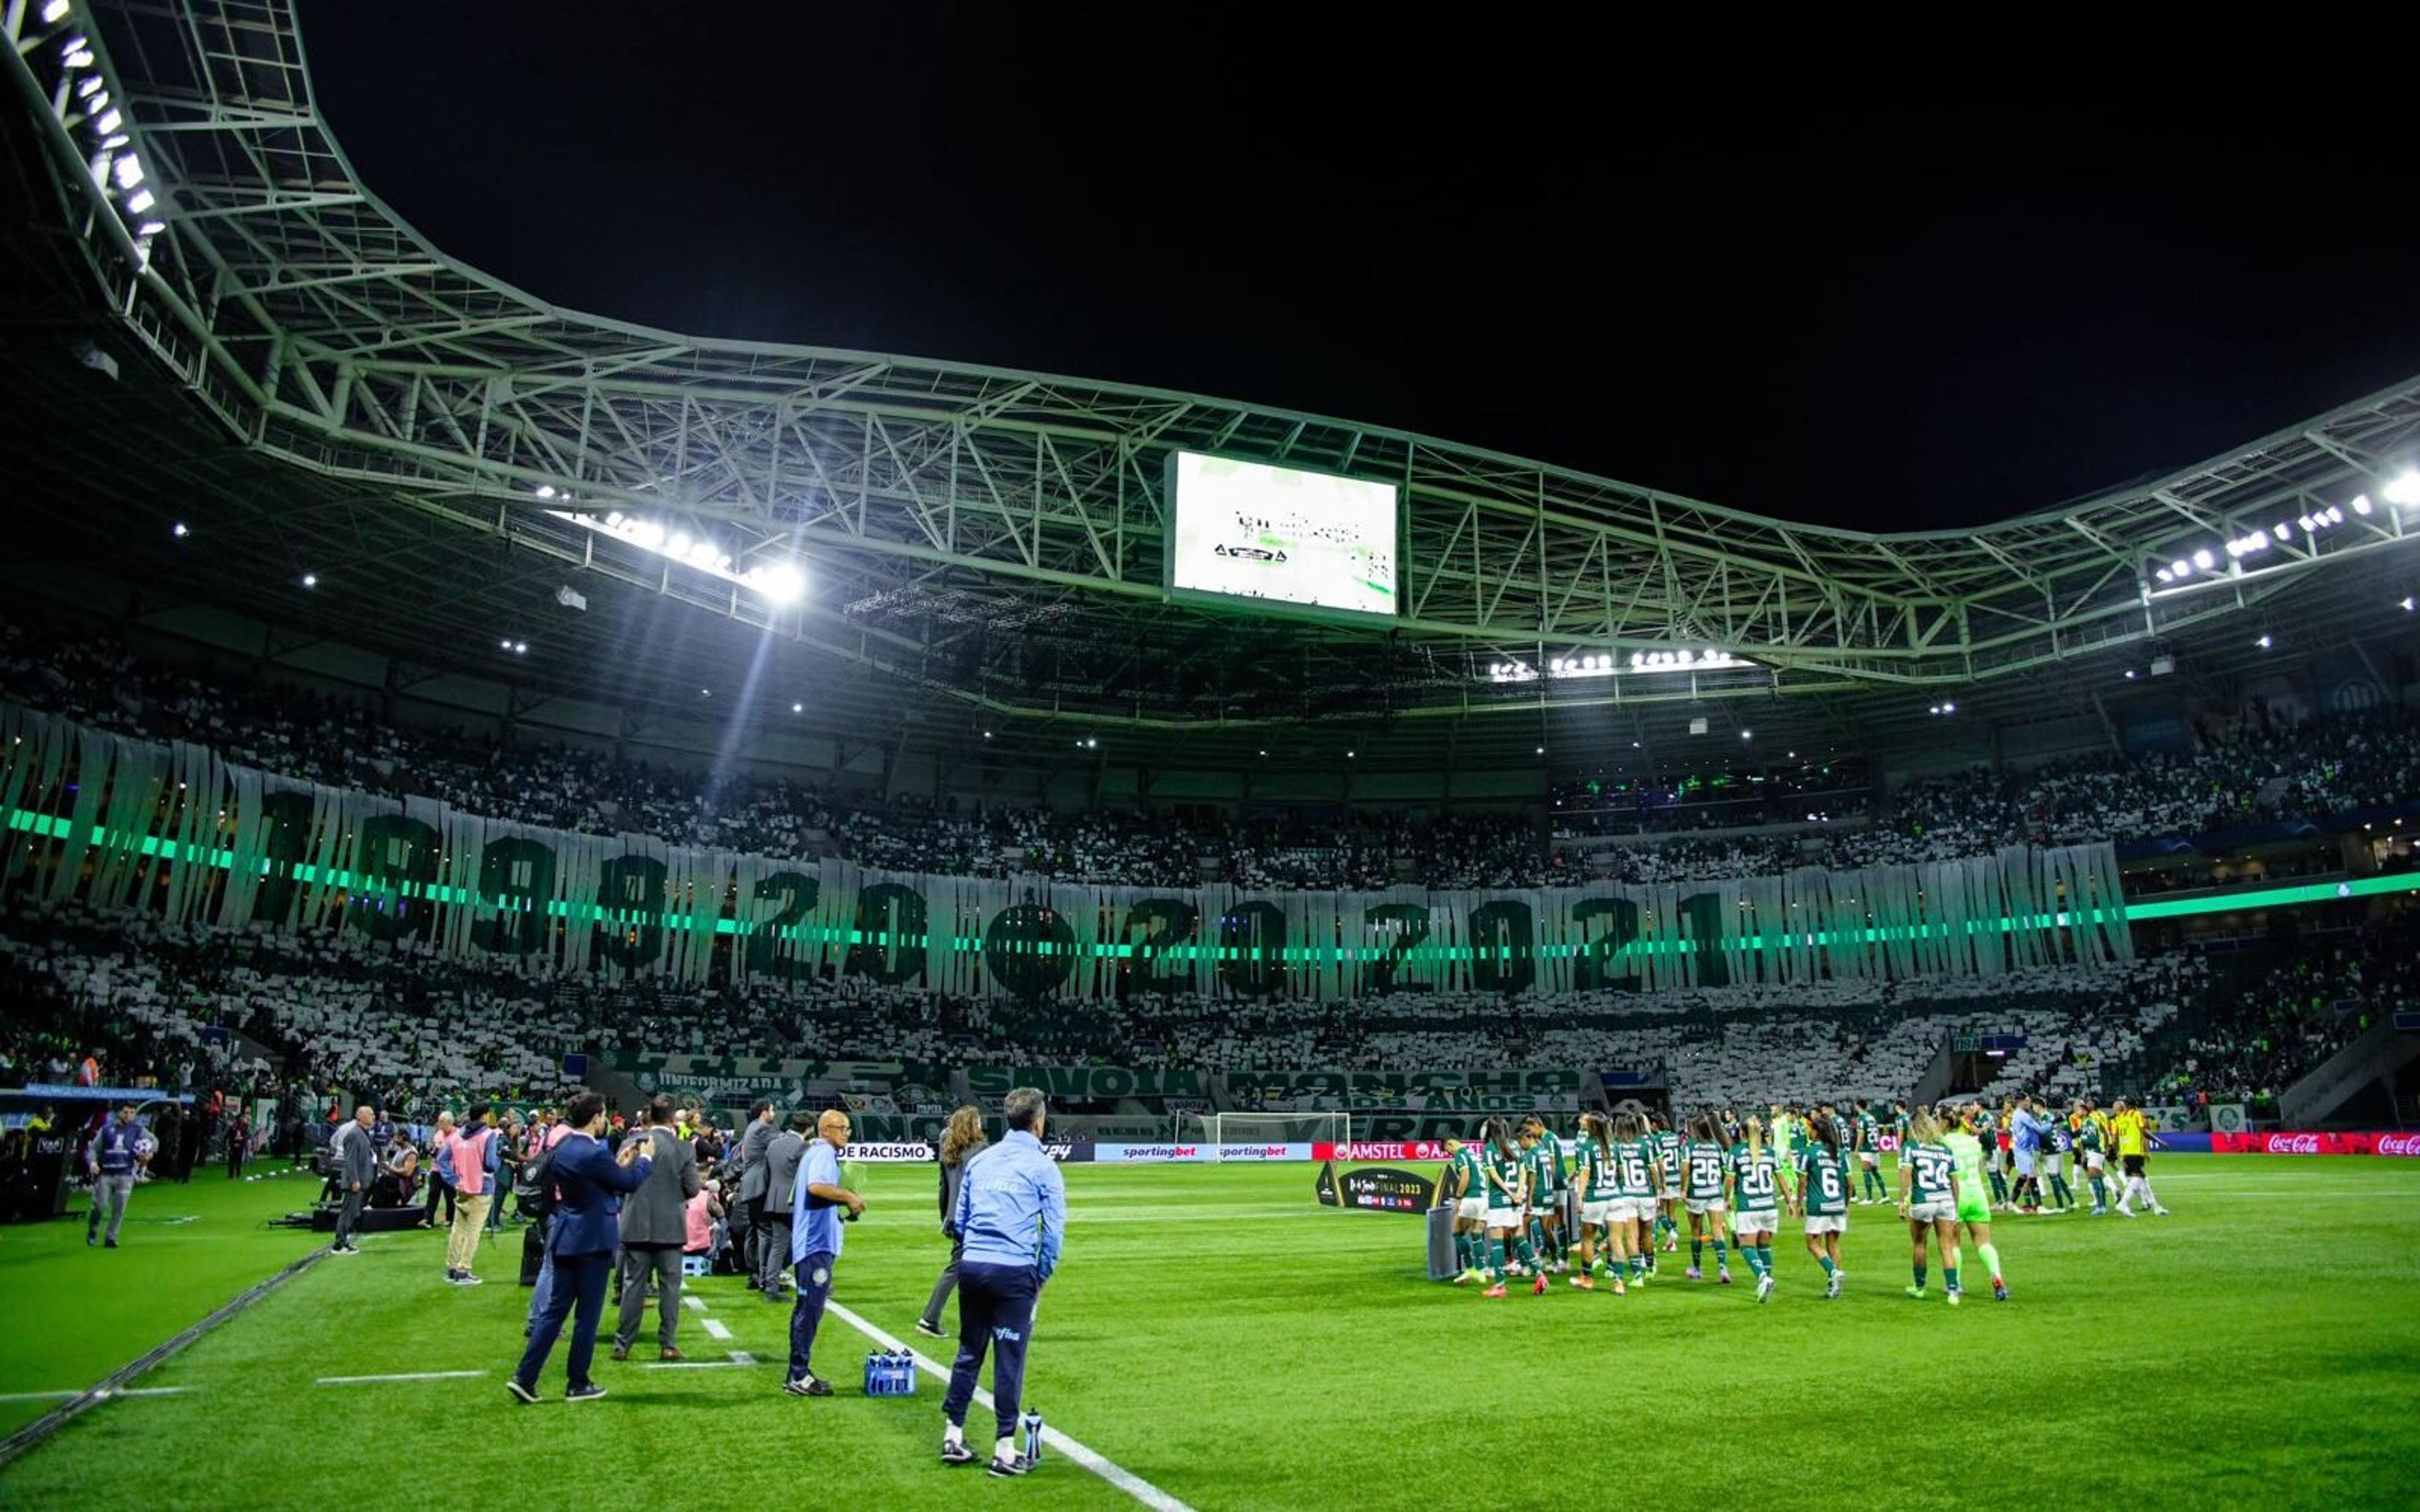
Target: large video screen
{"x": 1245, "y": 529}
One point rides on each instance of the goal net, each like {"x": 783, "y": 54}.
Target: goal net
{"x": 1217, "y": 1130}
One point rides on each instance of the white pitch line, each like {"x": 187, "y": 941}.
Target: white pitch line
{"x": 62, "y": 1396}
{"x": 1117, "y": 1475}
{"x": 742, "y": 1357}
{"x": 716, "y": 1329}
{"x": 409, "y": 1375}
{"x": 701, "y": 1365}
{"x": 689, "y": 1300}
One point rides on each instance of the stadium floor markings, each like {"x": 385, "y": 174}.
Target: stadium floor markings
{"x": 406, "y": 1375}
{"x": 1116, "y": 1474}
{"x": 99, "y": 1395}
{"x": 716, "y": 1329}
{"x": 691, "y": 1300}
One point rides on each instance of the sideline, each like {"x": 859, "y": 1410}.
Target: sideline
{"x": 1117, "y": 1475}
{"x": 114, "y": 1384}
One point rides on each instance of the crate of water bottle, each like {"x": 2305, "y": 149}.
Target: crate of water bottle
{"x": 890, "y": 1373}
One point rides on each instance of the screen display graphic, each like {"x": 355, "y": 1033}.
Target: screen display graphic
{"x": 1282, "y": 535}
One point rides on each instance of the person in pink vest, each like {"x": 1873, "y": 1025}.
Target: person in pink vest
{"x": 470, "y": 1158}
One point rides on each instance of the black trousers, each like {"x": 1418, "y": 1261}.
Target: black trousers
{"x": 428, "y": 1214}
{"x": 995, "y": 1311}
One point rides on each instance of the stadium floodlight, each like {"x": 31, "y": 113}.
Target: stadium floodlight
{"x": 141, "y": 201}
{"x": 520, "y": 648}
{"x": 310, "y": 579}
{"x": 2203, "y": 559}
{"x": 151, "y": 228}
{"x": 800, "y": 708}
{"x": 54, "y": 12}
{"x": 781, "y": 582}
{"x": 2404, "y": 489}
{"x": 2306, "y": 523}
{"x": 2262, "y": 642}
{"x": 506, "y": 644}
{"x": 128, "y": 171}
{"x": 2361, "y": 503}
{"x": 1541, "y": 750}
{"x": 2178, "y": 568}
{"x": 80, "y": 56}
{"x": 108, "y": 121}
{"x": 91, "y": 86}
{"x": 179, "y": 531}
{"x": 677, "y": 545}
{"x": 2168, "y": 574}
{"x": 2407, "y": 603}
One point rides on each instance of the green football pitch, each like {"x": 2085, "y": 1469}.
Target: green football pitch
{"x": 1223, "y": 1341}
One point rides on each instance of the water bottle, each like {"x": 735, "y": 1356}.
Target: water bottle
{"x": 1032, "y": 1425}
{"x": 907, "y": 1377}
{"x": 873, "y": 1374}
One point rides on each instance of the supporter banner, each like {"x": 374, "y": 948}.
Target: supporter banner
{"x": 2229, "y": 1118}
{"x": 1074, "y": 1082}
{"x": 125, "y": 824}
{"x": 1465, "y": 1102}
{"x": 2300, "y": 1142}
{"x": 1370, "y": 1086}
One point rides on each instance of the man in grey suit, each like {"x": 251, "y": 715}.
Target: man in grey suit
{"x": 655, "y": 1224}
{"x": 356, "y": 1167}
{"x": 782, "y": 1159}
{"x": 752, "y": 1182}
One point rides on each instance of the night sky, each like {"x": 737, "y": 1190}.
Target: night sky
{"x": 1833, "y": 294}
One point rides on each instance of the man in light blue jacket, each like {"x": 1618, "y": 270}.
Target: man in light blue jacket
{"x": 1013, "y": 1213}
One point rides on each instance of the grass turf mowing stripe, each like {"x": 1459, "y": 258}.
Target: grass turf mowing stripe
{"x": 1117, "y": 1475}
{"x": 113, "y": 1383}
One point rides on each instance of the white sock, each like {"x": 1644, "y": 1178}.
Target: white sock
{"x": 2146, "y": 1193}
{"x": 953, "y": 1435}
{"x": 1004, "y": 1449}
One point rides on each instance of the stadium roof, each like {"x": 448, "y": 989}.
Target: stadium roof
{"x": 317, "y": 390}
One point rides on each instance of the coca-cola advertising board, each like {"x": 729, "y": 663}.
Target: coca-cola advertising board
{"x": 2308, "y": 1142}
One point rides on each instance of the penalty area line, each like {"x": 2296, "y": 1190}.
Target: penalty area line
{"x": 1117, "y": 1475}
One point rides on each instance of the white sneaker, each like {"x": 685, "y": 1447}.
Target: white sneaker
{"x": 2125, "y": 1212}
{"x": 2159, "y": 1212}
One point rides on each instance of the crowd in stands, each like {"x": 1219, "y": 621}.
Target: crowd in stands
{"x": 2259, "y": 768}
{"x": 2257, "y": 1041}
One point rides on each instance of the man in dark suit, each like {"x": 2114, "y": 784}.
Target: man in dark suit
{"x": 782, "y": 1158}
{"x": 356, "y": 1167}
{"x": 752, "y": 1185}
{"x": 590, "y": 1183}
{"x": 654, "y": 1224}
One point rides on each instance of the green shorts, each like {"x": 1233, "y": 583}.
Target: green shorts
{"x": 1974, "y": 1212}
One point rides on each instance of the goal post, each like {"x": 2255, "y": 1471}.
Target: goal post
{"x": 1217, "y": 1130}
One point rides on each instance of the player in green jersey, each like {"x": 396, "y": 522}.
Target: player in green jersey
{"x": 1465, "y": 1185}
{"x": 1667, "y": 1202}
{"x": 1869, "y": 1130}
{"x": 1749, "y": 1176}
{"x": 1974, "y": 1202}
{"x": 1599, "y": 1183}
{"x": 1701, "y": 1193}
{"x": 1508, "y": 1190}
{"x": 2091, "y": 1154}
{"x": 1544, "y": 1216}
{"x": 1826, "y": 1178}
{"x": 1928, "y": 1199}
{"x": 1642, "y": 1181}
